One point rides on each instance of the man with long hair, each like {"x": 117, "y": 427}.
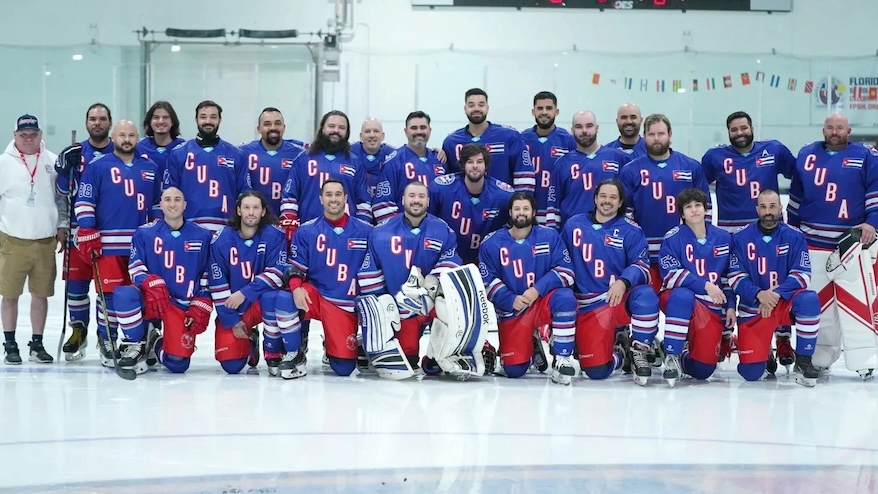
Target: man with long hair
{"x": 162, "y": 129}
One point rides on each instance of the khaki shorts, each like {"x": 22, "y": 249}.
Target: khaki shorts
{"x": 33, "y": 260}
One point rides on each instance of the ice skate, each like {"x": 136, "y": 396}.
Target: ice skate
{"x": 152, "y": 335}
{"x": 563, "y": 370}
{"x": 74, "y": 347}
{"x": 672, "y": 370}
{"x": 292, "y": 365}
{"x": 272, "y": 360}
{"x": 106, "y": 350}
{"x": 253, "y": 359}
{"x": 623, "y": 346}
{"x": 785, "y": 353}
{"x": 866, "y": 374}
{"x": 133, "y": 356}
{"x": 540, "y": 362}
{"x": 806, "y": 373}
{"x": 771, "y": 363}
{"x": 640, "y": 364}
{"x": 657, "y": 356}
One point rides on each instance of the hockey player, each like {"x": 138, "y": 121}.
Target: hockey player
{"x": 414, "y": 161}
{"x": 577, "y": 173}
{"x": 770, "y": 270}
{"x": 208, "y": 170}
{"x": 168, "y": 267}
{"x": 628, "y": 121}
{"x": 611, "y": 267}
{"x": 324, "y": 259}
{"x": 248, "y": 260}
{"x": 835, "y": 188}
{"x": 652, "y": 183}
{"x": 470, "y": 202}
{"x": 695, "y": 297}
{"x": 118, "y": 193}
{"x": 162, "y": 129}
{"x": 270, "y": 158}
{"x": 512, "y": 163}
{"x": 70, "y": 165}
{"x": 741, "y": 170}
{"x": 372, "y": 151}
{"x": 414, "y": 238}
{"x": 546, "y": 143}
{"x": 527, "y": 271}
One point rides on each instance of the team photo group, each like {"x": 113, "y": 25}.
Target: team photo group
{"x": 573, "y": 252}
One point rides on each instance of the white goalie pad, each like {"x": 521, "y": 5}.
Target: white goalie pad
{"x": 857, "y": 299}
{"x": 463, "y": 318}
{"x": 378, "y": 320}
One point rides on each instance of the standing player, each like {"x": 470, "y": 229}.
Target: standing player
{"x": 247, "y": 264}
{"x": 70, "y": 165}
{"x": 652, "y": 183}
{"x": 835, "y": 188}
{"x": 694, "y": 262}
{"x": 577, "y": 173}
{"x": 270, "y": 158}
{"x": 414, "y": 161}
{"x": 526, "y": 269}
{"x": 208, "y": 170}
{"x": 324, "y": 259}
{"x": 471, "y": 203}
{"x": 770, "y": 270}
{"x": 168, "y": 268}
{"x": 546, "y": 143}
{"x": 509, "y": 153}
{"x": 610, "y": 262}
{"x": 118, "y": 193}
{"x": 162, "y": 129}
{"x": 371, "y": 151}
{"x": 628, "y": 121}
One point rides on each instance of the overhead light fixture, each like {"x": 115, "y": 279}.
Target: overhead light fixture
{"x": 77, "y": 57}
{"x": 267, "y": 34}
{"x": 195, "y": 33}
{"x": 48, "y": 72}
{"x": 175, "y": 48}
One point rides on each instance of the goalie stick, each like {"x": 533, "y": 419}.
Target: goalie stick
{"x": 127, "y": 374}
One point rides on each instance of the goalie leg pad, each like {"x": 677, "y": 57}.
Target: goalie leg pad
{"x": 378, "y": 323}
{"x": 856, "y": 297}
{"x": 829, "y": 333}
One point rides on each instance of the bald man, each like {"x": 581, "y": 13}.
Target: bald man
{"x": 628, "y": 120}
{"x": 372, "y": 151}
{"x": 118, "y": 193}
{"x": 834, "y": 189}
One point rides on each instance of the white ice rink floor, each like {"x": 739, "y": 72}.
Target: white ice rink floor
{"x": 80, "y": 428}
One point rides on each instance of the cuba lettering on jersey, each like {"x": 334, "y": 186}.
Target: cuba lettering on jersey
{"x": 510, "y": 161}
{"x": 401, "y": 167}
{"x": 833, "y": 191}
{"x": 116, "y": 198}
{"x": 651, "y": 189}
{"x": 544, "y": 153}
{"x": 509, "y": 267}
{"x": 471, "y": 218}
{"x": 182, "y": 261}
{"x": 372, "y": 163}
{"x": 394, "y": 247}
{"x": 635, "y": 151}
{"x": 147, "y": 148}
{"x": 576, "y": 177}
{"x": 330, "y": 258}
{"x": 762, "y": 262}
{"x": 686, "y": 262}
{"x": 211, "y": 178}
{"x": 63, "y": 184}
{"x": 268, "y": 170}
{"x": 601, "y": 253}
{"x": 301, "y": 197}
{"x": 251, "y": 266}
{"x": 741, "y": 177}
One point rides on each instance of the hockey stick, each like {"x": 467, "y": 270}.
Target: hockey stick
{"x": 127, "y": 374}
{"x": 65, "y": 248}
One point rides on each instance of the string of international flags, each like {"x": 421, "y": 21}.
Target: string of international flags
{"x": 709, "y": 83}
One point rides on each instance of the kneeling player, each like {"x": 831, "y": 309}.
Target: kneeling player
{"x": 770, "y": 270}
{"x": 168, "y": 268}
{"x": 527, "y": 271}
{"x": 611, "y": 265}
{"x": 694, "y": 261}
{"x": 248, "y": 259}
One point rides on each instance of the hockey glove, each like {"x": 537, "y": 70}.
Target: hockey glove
{"x": 198, "y": 315}
{"x": 69, "y": 158}
{"x": 88, "y": 241}
{"x": 412, "y": 296}
{"x": 290, "y": 226}
{"x": 155, "y": 297}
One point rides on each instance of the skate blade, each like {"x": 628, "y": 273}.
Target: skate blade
{"x": 805, "y": 381}
{"x": 293, "y": 374}
{"x": 563, "y": 380}
{"x": 641, "y": 380}
{"x": 74, "y": 356}
{"x": 272, "y": 371}
{"x": 108, "y": 363}
{"x": 672, "y": 382}
{"x": 867, "y": 375}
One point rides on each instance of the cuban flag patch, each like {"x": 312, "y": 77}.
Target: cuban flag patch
{"x": 611, "y": 241}
{"x": 557, "y": 152}
{"x": 611, "y": 166}
{"x": 682, "y": 176}
{"x": 357, "y": 244}
{"x": 432, "y": 244}
{"x": 347, "y": 170}
{"x": 226, "y": 162}
{"x": 285, "y": 163}
{"x": 720, "y": 251}
{"x": 147, "y": 176}
{"x": 490, "y": 214}
{"x": 783, "y": 249}
{"x": 194, "y": 246}
{"x": 541, "y": 249}
{"x": 765, "y": 159}
{"x": 438, "y": 170}
{"x": 496, "y": 147}
{"x": 852, "y": 163}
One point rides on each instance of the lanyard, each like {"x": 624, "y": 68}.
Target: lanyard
{"x": 32, "y": 173}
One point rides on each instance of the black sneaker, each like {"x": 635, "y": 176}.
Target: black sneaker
{"x": 38, "y": 353}
{"x": 12, "y": 355}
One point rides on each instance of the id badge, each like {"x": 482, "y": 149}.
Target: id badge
{"x": 32, "y": 199}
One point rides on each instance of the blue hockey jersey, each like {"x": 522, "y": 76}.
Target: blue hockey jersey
{"x": 372, "y": 163}
{"x": 116, "y": 198}
{"x": 833, "y": 191}
{"x": 394, "y": 247}
{"x": 471, "y": 218}
{"x": 251, "y": 266}
{"x": 544, "y": 153}
{"x": 510, "y": 161}
{"x": 63, "y": 183}
{"x": 686, "y": 262}
{"x": 741, "y": 177}
{"x": 182, "y": 261}
{"x": 269, "y": 170}
{"x": 651, "y": 189}
{"x": 147, "y": 148}
{"x": 635, "y": 151}
{"x": 401, "y": 167}
{"x": 301, "y": 197}
{"x": 576, "y": 177}
{"x": 509, "y": 267}
{"x": 211, "y": 178}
